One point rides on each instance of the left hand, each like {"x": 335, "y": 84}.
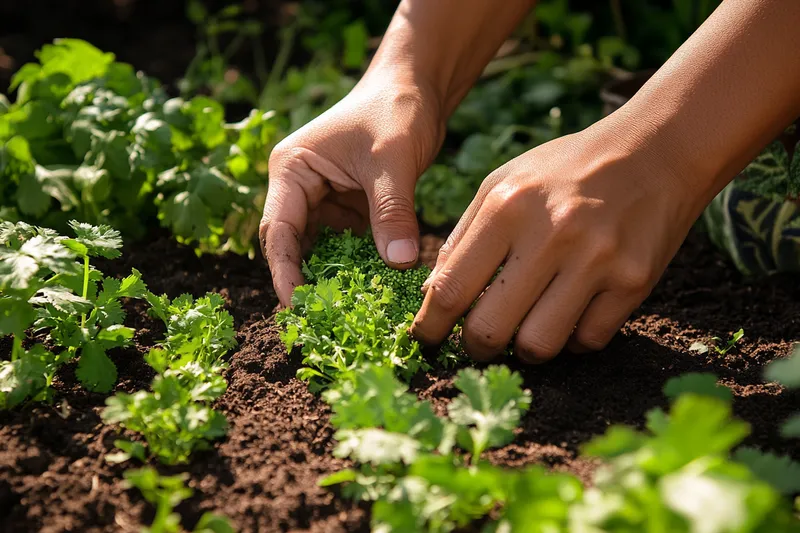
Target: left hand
{"x": 583, "y": 227}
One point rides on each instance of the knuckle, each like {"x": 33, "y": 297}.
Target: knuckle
{"x": 532, "y": 345}
{"x": 634, "y": 278}
{"x": 448, "y": 293}
{"x": 603, "y": 246}
{"x": 483, "y": 335}
{"x": 592, "y": 339}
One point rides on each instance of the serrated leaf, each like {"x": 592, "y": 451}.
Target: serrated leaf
{"x": 376, "y": 446}
{"x": 16, "y": 269}
{"x": 25, "y": 377}
{"x": 489, "y": 408}
{"x": 102, "y": 240}
{"x": 95, "y": 370}
{"x": 781, "y": 472}
{"x": 62, "y": 299}
{"x": 704, "y": 384}
{"x": 115, "y": 336}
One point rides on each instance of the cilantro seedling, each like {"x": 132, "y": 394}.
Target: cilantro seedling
{"x": 702, "y": 348}
{"x": 488, "y": 409}
{"x": 175, "y": 417}
{"x": 165, "y": 493}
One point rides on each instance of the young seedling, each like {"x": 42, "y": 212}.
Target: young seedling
{"x": 702, "y": 348}
{"x": 165, "y": 493}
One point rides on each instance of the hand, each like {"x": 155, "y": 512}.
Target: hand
{"x": 583, "y": 227}
{"x": 357, "y": 163}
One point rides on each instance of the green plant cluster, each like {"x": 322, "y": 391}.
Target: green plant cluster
{"x": 48, "y": 283}
{"x": 678, "y": 476}
{"x": 90, "y": 138}
{"x": 175, "y": 417}
{"x": 165, "y": 493}
{"x": 424, "y": 472}
{"x": 354, "y": 310}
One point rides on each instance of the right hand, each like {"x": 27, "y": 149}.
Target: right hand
{"x": 356, "y": 163}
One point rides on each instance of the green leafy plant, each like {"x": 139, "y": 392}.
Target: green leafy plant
{"x": 89, "y": 138}
{"x": 165, "y": 493}
{"x": 175, "y": 417}
{"x": 48, "y": 283}
{"x": 352, "y": 314}
{"x": 787, "y": 372}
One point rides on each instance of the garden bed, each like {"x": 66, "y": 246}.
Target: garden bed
{"x": 263, "y": 474}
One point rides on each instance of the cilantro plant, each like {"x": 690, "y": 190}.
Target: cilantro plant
{"x": 47, "y": 282}
{"x": 357, "y": 310}
{"x": 89, "y": 138}
{"x": 165, "y": 493}
{"x": 175, "y": 417}
{"x": 678, "y": 476}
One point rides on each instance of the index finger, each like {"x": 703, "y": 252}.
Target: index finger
{"x": 282, "y": 226}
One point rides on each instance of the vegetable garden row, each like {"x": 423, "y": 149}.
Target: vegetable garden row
{"x": 154, "y": 385}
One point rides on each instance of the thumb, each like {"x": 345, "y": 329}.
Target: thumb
{"x": 393, "y": 220}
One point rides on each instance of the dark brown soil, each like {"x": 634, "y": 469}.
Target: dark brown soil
{"x": 263, "y": 475}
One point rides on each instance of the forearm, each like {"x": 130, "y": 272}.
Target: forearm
{"x": 723, "y": 95}
{"x": 445, "y": 43}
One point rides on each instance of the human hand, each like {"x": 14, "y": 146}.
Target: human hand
{"x": 357, "y": 164}
{"x": 583, "y": 227}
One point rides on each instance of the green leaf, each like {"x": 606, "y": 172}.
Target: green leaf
{"x": 130, "y": 450}
{"x": 791, "y": 428}
{"x": 16, "y": 315}
{"x": 62, "y": 299}
{"x": 786, "y": 371}
{"x": 32, "y": 200}
{"x": 617, "y": 440}
{"x": 376, "y": 446}
{"x": 489, "y": 408}
{"x": 24, "y": 378}
{"x": 337, "y": 478}
{"x": 115, "y": 336}
{"x": 16, "y": 269}
{"x": 213, "y": 523}
{"x": 100, "y": 241}
{"x": 95, "y": 370}
{"x": 779, "y": 471}
{"x": 703, "y": 384}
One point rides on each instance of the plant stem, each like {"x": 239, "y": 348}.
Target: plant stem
{"x": 85, "y": 285}
{"x": 16, "y": 347}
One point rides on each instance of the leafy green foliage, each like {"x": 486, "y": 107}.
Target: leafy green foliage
{"x": 703, "y": 384}
{"x": 91, "y": 139}
{"x": 679, "y": 476}
{"x": 344, "y": 322}
{"x": 175, "y": 417}
{"x": 489, "y": 407}
{"x": 357, "y": 310}
{"x": 779, "y": 471}
{"x": 787, "y": 372}
{"x": 46, "y": 281}
{"x": 165, "y": 493}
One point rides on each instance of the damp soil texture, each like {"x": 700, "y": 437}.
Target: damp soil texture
{"x": 263, "y": 474}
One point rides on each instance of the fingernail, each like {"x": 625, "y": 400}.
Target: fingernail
{"x": 402, "y": 251}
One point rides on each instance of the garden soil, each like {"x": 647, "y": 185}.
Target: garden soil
{"x": 263, "y": 475}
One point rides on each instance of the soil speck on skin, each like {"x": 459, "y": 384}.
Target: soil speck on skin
{"x": 264, "y": 474}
